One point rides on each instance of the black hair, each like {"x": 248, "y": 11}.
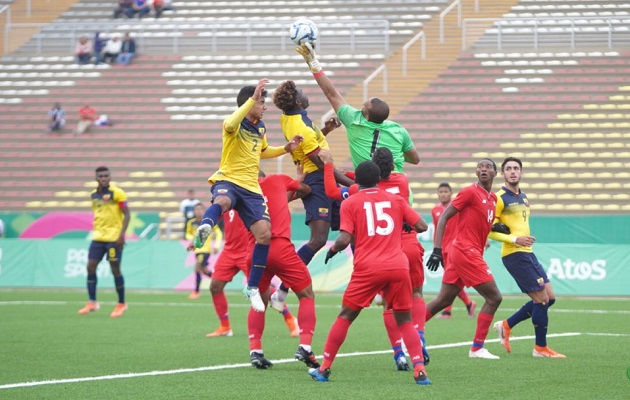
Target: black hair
{"x": 102, "y": 168}
{"x": 245, "y": 93}
{"x": 367, "y": 174}
{"x": 508, "y": 159}
{"x": 285, "y": 96}
{"x": 379, "y": 110}
{"x": 494, "y": 165}
{"x": 385, "y": 160}
{"x": 445, "y": 185}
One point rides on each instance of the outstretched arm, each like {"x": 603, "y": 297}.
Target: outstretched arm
{"x": 335, "y": 99}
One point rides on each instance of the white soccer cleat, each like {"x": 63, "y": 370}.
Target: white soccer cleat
{"x": 276, "y": 303}
{"x": 253, "y": 294}
{"x": 482, "y": 353}
{"x": 201, "y": 235}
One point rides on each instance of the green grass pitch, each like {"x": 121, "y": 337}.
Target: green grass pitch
{"x": 158, "y": 350}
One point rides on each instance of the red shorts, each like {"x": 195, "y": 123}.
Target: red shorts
{"x": 395, "y": 285}
{"x": 284, "y": 262}
{"x": 415, "y": 253}
{"x": 228, "y": 264}
{"x": 466, "y": 268}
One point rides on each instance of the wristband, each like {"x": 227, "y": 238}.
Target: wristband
{"x": 514, "y": 240}
{"x": 318, "y": 74}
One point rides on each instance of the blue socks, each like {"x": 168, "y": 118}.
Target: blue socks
{"x": 197, "y": 281}
{"x": 259, "y": 261}
{"x": 212, "y": 214}
{"x": 540, "y": 319}
{"x": 306, "y": 254}
{"x": 521, "y": 315}
{"x": 120, "y": 288}
{"x": 91, "y": 287}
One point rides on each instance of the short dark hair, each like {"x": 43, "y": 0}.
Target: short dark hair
{"x": 102, "y": 168}
{"x": 508, "y": 159}
{"x": 245, "y": 93}
{"x": 445, "y": 185}
{"x": 379, "y": 110}
{"x": 385, "y": 160}
{"x": 494, "y": 165}
{"x": 367, "y": 174}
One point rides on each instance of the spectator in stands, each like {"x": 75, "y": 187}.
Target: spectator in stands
{"x": 99, "y": 45}
{"x": 125, "y": 7}
{"x": 141, "y": 7}
{"x": 57, "y": 117}
{"x": 157, "y": 6}
{"x": 112, "y": 49}
{"x": 127, "y": 51}
{"x": 87, "y": 116}
{"x": 83, "y": 50}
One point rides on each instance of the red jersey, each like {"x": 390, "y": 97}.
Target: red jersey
{"x": 375, "y": 217}
{"x": 275, "y": 188}
{"x": 449, "y": 230}
{"x": 234, "y": 231}
{"x": 476, "y": 213}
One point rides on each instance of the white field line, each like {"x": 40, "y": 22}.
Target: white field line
{"x": 281, "y": 361}
{"x": 246, "y": 305}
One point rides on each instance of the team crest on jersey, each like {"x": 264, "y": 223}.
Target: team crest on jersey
{"x": 323, "y": 212}
{"x": 106, "y": 197}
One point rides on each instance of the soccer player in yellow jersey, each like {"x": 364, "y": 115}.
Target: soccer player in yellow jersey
{"x": 320, "y": 209}
{"x": 202, "y": 254}
{"x": 512, "y": 211}
{"x": 111, "y": 219}
{"x": 235, "y": 184}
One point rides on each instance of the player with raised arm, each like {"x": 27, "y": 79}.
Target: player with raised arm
{"x": 373, "y": 219}
{"x": 398, "y": 184}
{"x": 202, "y": 255}
{"x": 445, "y": 194}
{"x": 235, "y": 184}
{"x": 475, "y": 206}
{"x": 111, "y": 219}
{"x": 512, "y": 215}
{"x": 232, "y": 259}
{"x": 284, "y": 262}
{"x": 367, "y": 128}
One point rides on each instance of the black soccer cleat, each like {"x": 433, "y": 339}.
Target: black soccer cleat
{"x": 259, "y": 361}
{"x": 307, "y": 357}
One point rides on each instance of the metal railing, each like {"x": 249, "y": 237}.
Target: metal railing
{"x": 164, "y": 36}
{"x": 547, "y": 31}
{"x": 456, "y": 3}
{"x": 423, "y": 51}
{"x": 383, "y": 69}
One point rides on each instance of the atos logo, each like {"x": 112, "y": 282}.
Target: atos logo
{"x": 577, "y": 270}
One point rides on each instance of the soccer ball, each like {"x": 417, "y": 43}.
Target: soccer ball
{"x": 303, "y": 30}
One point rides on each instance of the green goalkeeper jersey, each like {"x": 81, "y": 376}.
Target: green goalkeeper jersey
{"x": 364, "y": 137}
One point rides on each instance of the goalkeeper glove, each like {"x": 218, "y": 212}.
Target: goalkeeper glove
{"x": 307, "y": 51}
{"x": 435, "y": 260}
{"x": 201, "y": 235}
{"x": 501, "y": 228}
{"x": 330, "y": 254}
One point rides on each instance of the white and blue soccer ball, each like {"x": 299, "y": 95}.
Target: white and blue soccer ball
{"x": 303, "y": 30}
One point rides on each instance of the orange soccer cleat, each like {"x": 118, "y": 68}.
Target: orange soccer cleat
{"x": 546, "y": 352}
{"x": 194, "y": 295}
{"x": 90, "y": 307}
{"x": 294, "y": 329}
{"x": 119, "y": 310}
{"x": 504, "y": 331}
{"x": 221, "y": 331}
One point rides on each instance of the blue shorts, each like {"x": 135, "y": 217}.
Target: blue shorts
{"x": 251, "y": 206}
{"x": 99, "y": 249}
{"x": 202, "y": 259}
{"x": 526, "y": 271}
{"x": 317, "y": 205}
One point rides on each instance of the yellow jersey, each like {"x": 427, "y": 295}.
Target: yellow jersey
{"x": 512, "y": 210}
{"x": 298, "y": 123}
{"x": 216, "y": 235}
{"x": 108, "y": 216}
{"x": 243, "y": 142}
